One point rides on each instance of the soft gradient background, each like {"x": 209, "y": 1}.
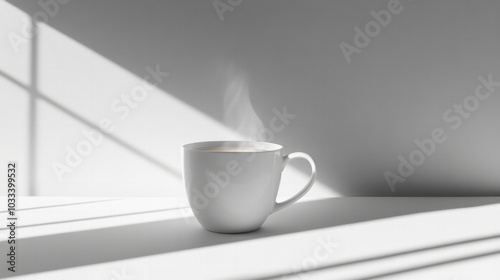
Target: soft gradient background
{"x": 355, "y": 118}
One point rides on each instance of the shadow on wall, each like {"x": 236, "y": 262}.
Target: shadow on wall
{"x": 354, "y": 118}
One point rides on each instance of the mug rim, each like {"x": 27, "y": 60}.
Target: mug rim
{"x": 268, "y": 146}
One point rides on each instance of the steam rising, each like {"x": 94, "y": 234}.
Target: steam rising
{"x": 238, "y": 111}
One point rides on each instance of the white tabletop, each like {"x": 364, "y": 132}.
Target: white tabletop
{"x": 334, "y": 238}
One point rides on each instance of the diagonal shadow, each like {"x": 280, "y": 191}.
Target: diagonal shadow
{"x": 109, "y": 28}
{"x": 487, "y": 254}
{"x": 60, "y": 205}
{"x": 134, "y": 150}
{"x": 144, "y": 239}
{"x": 398, "y": 254}
{"x": 97, "y": 218}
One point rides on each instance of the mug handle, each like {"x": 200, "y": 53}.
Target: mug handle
{"x": 290, "y": 201}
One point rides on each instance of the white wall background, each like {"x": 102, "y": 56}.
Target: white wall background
{"x": 354, "y": 118}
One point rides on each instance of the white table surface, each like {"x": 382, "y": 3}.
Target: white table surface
{"x": 157, "y": 238}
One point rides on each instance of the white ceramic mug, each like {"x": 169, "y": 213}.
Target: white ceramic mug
{"x": 232, "y": 185}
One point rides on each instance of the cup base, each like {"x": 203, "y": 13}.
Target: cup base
{"x": 233, "y": 231}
